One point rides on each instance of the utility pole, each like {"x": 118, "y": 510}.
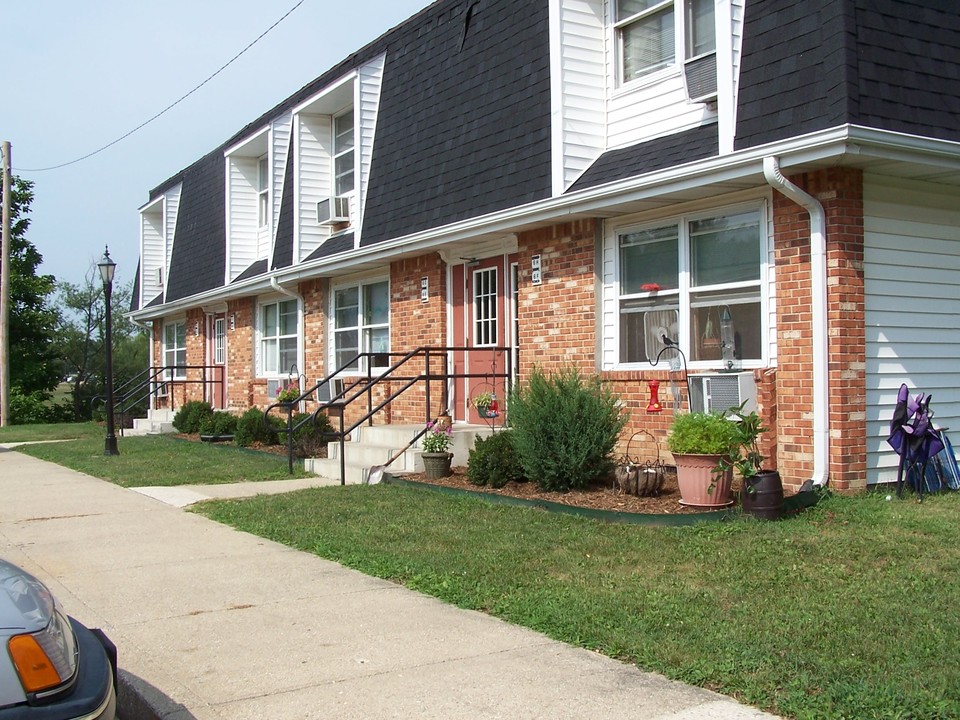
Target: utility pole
{"x": 5, "y": 291}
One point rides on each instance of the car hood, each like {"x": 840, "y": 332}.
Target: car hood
{"x": 25, "y": 603}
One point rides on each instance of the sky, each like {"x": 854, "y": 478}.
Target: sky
{"x": 77, "y": 76}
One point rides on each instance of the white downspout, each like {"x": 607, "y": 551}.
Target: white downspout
{"x": 818, "y": 282}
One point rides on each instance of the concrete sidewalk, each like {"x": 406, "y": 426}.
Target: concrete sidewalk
{"x": 215, "y": 623}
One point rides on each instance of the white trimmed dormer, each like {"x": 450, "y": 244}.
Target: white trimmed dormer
{"x": 255, "y": 173}
{"x": 333, "y": 135}
{"x": 158, "y": 222}
{"x": 627, "y": 71}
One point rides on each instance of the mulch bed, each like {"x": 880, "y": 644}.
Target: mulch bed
{"x": 599, "y": 497}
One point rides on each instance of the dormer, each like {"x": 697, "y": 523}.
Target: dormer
{"x": 158, "y": 222}
{"x": 333, "y": 143}
{"x": 627, "y": 71}
{"x": 254, "y": 175}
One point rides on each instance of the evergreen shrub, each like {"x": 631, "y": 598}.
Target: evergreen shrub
{"x": 494, "y": 461}
{"x": 251, "y": 429}
{"x": 191, "y": 415}
{"x": 565, "y": 428}
{"x": 219, "y": 423}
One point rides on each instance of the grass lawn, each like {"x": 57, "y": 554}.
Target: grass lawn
{"x": 159, "y": 460}
{"x": 59, "y": 431}
{"x": 848, "y": 611}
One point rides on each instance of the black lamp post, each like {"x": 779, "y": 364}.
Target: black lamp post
{"x": 107, "y": 267}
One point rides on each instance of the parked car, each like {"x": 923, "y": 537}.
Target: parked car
{"x": 51, "y": 666}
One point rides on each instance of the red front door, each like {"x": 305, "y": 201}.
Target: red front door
{"x": 480, "y": 324}
{"x": 217, "y": 359}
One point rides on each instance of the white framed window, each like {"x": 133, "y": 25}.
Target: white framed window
{"x": 263, "y": 191}
{"x": 175, "y": 350}
{"x": 279, "y": 331}
{"x": 698, "y": 280}
{"x": 485, "y": 316}
{"x": 648, "y": 32}
{"x": 343, "y": 144}
{"x": 220, "y": 341}
{"x": 361, "y": 324}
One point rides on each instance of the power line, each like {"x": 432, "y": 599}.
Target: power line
{"x": 171, "y": 105}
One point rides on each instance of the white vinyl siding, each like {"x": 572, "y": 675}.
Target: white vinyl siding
{"x": 368, "y": 108}
{"x": 912, "y": 306}
{"x": 170, "y": 210}
{"x": 152, "y": 252}
{"x": 242, "y": 225}
{"x": 315, "y": 171}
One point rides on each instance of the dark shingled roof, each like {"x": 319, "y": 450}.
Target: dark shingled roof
{"x": 257, "y": 268}
{"x": 336, "y": 244}
{"x": 283, "y": 247}
{"x": 135, "y": 293}
{"x": 198, "y": 260}
{"x": 887, "y": 64}
{"x": 658, "y": 154}
{"x": 464, "y": 121}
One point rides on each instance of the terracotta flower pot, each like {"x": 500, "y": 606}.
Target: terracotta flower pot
{"x": 699, "y": 485}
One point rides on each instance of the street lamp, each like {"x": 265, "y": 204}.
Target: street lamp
{"x": 107, "y": 268}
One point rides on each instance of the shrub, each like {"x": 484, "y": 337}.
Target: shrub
{"x": 219, "y": 423}
{"x": 702, "y": 433}
{"x": 36, "y": 408}
{"x": 191, "y": 415}
{"x": 565, "y": 428}
{"x": 494, "y": 461}
{"x": 251, "y": 429}
{"x": 311, "y": 439}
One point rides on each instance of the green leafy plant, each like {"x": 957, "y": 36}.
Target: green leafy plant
{"x": 289, "y": 393}
{"x": 191, "y": 416}
{"x": 746, "y": 458}
{"x": 565, "y": 428}
{"x": 310, "y": 439}
{"x": 218, "y": 423}
{"x": 251, "y": 429}
{"x": 437, "y": 439}
{"x": 494, "y": 461}
{"x": 481, "y": 401}
{"x": 703, "y": 433}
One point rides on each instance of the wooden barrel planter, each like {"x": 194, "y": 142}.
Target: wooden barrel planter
{"x": 762, "y": 495}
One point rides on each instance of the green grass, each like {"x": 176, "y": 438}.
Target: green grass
{"x": 59, "y": 431}
{"x": 847, "y": 611}
{"x": 163, "y": 461}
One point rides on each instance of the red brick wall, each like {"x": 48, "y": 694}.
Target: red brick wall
{"x": 840, "y": 191}
{"x": 242, "y": 391}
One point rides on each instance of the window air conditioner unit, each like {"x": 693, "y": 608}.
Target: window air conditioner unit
{"x": 273, "y": 389}
{"x": 333, "y": 210}
{"x": 161, "y": 390}
{"x": 718, "y": 392}
{"x": 700, "y": 78}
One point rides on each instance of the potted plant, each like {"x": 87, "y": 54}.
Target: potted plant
{"x": 701, "y": 443}
{"x": 435, "y": 453}
{"x": 486, "y": 404}
{"x": 289, "y": 393}
{"x": 762, "y": 491}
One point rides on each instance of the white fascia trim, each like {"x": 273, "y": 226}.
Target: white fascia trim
{"x": 348, "y": 78}
{"x": 556, "y": 98}
{"x": 238, "y": 147}
{"x": 148, "y": 206}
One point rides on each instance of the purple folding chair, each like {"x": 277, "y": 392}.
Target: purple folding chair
{"x": 913, "y": 437}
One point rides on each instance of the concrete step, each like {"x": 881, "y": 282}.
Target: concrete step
{"x": 375, "y": 445}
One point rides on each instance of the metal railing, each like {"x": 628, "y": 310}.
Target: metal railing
{"x": 354, "y": 388}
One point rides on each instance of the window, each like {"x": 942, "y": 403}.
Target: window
{"x": 696, "y": 280}
{"x": 361, "y": 315}
{"x": 485, "y": 307}
{"x": 646, "y": 32}
{"x": 220, "y": 341}
{"x": 263, "y": 191}
{"x": 279, "y": 337}
{"x": 343, "y": 154}
{"x": 175, "y": 350}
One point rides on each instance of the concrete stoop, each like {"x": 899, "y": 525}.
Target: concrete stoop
{"x": 375, "y": 445}
{"x": 157, "y": 422}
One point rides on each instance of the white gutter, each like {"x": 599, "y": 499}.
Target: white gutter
{"x": 818, "y": 278}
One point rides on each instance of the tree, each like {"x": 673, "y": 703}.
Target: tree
{"x": 80, "y": 340}
{"x": 34, "y": 369}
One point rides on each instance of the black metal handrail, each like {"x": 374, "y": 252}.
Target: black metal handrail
{"x": 363, "y": 387}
